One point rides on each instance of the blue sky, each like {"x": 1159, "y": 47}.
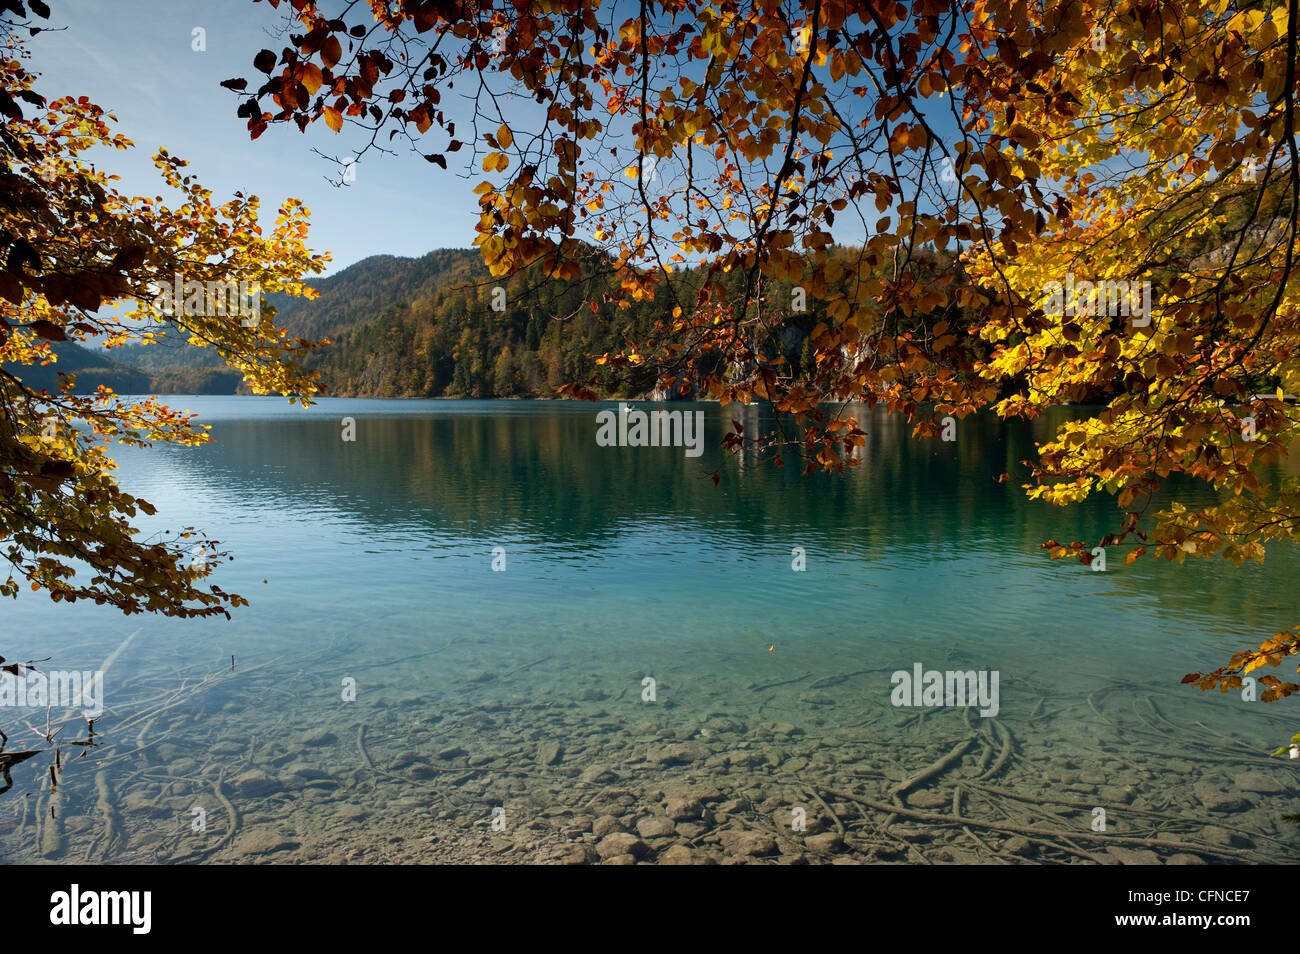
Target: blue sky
{"x": 135, "y": 59}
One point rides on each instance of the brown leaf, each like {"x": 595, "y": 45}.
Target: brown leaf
{"x": 57, "y": 469}
{"x": 48, "y": 330}
{"x": 129, "y": 258}
{"x": 331, "y": 52}
{"x": 10, "y": 288}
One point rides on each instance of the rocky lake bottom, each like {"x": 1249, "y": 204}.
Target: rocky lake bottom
{"x": 553, "y": 761}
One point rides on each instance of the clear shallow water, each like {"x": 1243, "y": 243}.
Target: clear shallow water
{"x": 372, "y": 561}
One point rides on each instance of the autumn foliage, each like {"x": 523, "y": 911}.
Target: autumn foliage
{"x": 80, "y": 261}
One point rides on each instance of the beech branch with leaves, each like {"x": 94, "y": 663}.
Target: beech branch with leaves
{"x": 80, "y": 261}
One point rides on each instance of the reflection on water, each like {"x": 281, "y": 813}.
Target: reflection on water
{"x": 369, "y": 565}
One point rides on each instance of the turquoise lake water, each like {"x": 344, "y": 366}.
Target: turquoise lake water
{"x": 372, "y": 561}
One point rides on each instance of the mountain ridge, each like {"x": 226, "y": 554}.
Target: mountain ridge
{"x": 430, "y": 326}
{"x": 437, "y": 325}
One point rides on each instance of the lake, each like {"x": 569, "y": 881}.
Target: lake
{"x": 657, "y": 668}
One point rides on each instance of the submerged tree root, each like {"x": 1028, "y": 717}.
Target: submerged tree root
{"x": 112, "y": 835}
{"x": 1126, "y": 811}
{"x": 52, "y": 824}
{"x": 1054, "y": 837}
{"x": 361, "y": 746}
{"x": 839, "y": 825}
{"x": 231, "y": 829}
{"x": 933, "y": 769}
{"x": 1004, "y": 754}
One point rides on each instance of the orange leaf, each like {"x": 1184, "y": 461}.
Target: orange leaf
{"x": 311, "y": 78}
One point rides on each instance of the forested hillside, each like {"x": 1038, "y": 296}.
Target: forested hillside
{"x": 426, "y": 327}
{"x": 91, "y": 367}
